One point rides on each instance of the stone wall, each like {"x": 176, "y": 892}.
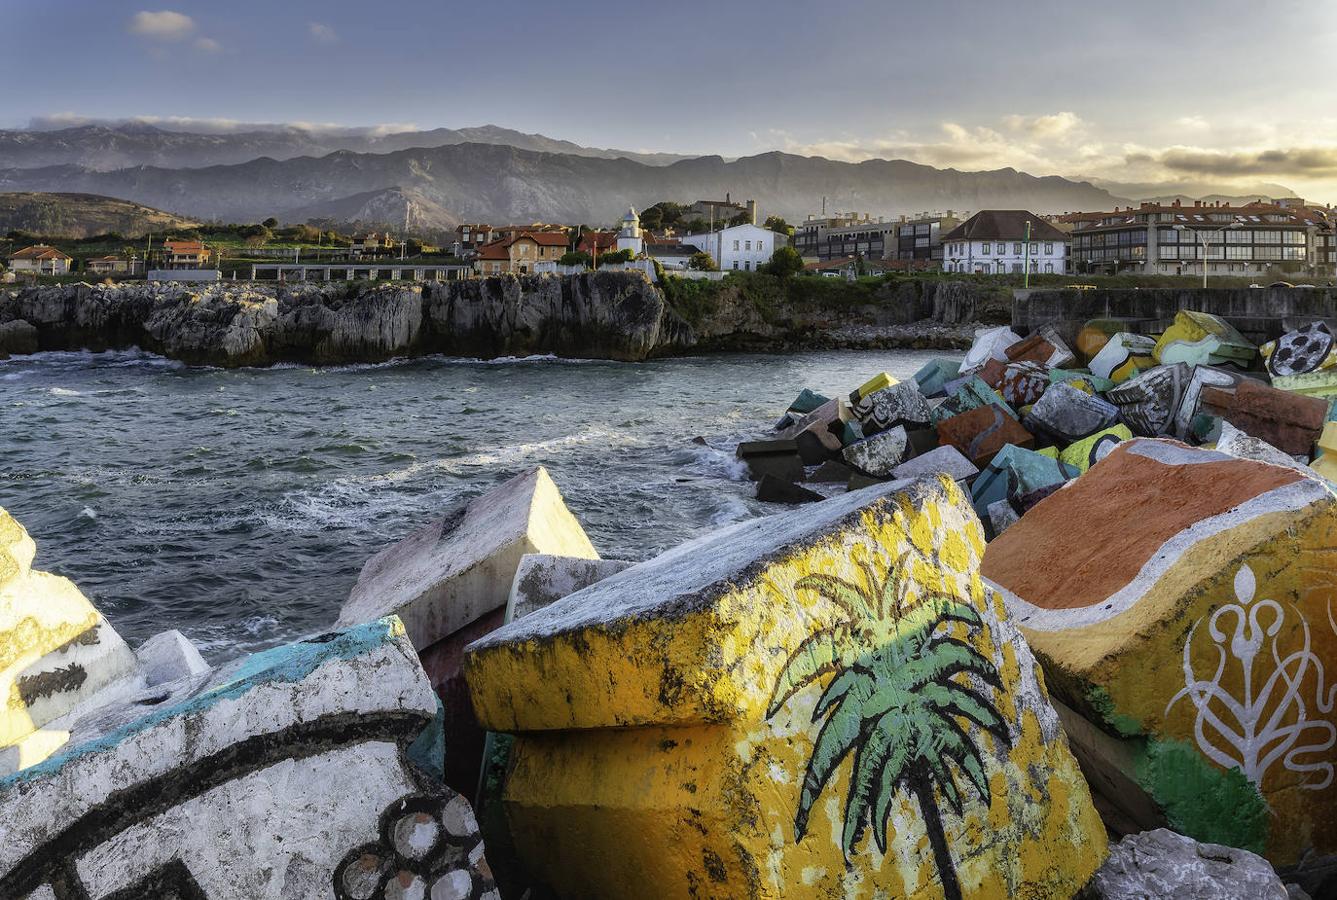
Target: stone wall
{"x": 1260, "y": 314}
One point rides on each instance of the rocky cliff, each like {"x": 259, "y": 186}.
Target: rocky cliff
{"x": 599, "y": 315}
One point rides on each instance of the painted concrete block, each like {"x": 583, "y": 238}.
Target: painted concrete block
{"x": 1080, "y": 378}
{"x": 449, "y": 582}
{"x": 992, "y": 372}
{"x": 773, "y": 490}
{"x": 721, "y": 719}
{"x": 779, "y": 458}
{"x": 818, "y": 423}
{"x": 946, "y": 460}
{"x": 282, "y": 775}
{"x": 1326, "y": 462}
{"x": 1199, "y": 627}
{"x": 1246, "y": 446}
{"x": 542, "y": 579}
{"x": 57, "y": 653}
{"x": 1307, "y": 349}
{"x": 936, "y": 373}
{"x": 1014, "y": 472}
{"x": 807, "y": 401}
{"x": 1320, "y": 383}
{"x": 1124, "y": 356}
{"x": 982, "y": 432}
{"x": 1290, "y": 422}
{"x": 1001, "y": 516}
{"x": 879, "y": 454}
{"x": 1044, "y": 346}
{"x": 1023, "y": 383}
{"x": 990, "y": 343}
{"x": 1148, "y": 403}
{"x": 899, "y": 404}
{"x": 1067, "y": 414}
{"x": 973, "y": 394}
{"x": 1201, "y": 339}
{"x": 1203, "y": 378}
{"x": 1088, "y": 451}
{"x": 169, "y": 656}
{"x": 876, "y": 383}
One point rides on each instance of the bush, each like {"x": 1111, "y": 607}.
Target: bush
{"x": 616, "y": 256}
{"x": 702, "y": 262}
{"x": 575, "y": 258}
{"x": 785, "y": 262}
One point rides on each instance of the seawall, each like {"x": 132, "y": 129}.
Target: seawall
{"x": 1260, "y": 314}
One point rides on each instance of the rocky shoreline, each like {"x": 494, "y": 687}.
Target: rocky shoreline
{"x": 617, "y": 316}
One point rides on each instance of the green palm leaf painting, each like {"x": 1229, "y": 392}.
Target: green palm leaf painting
{"x": 902, "y": 688}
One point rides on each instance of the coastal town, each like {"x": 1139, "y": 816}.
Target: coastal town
{"x": 1271, "y": 239}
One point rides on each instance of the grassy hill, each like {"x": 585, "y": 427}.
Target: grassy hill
{"x": 82, "y": 215}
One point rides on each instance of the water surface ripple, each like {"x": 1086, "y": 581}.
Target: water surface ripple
{"x": 239, "y": 505}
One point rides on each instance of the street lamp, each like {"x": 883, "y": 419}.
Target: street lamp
{"x": 1202, "y": 239}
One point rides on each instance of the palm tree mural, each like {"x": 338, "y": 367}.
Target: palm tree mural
{"x": 899, "y": 690}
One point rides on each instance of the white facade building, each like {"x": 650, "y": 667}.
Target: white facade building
{"x": 1005, "y": 242}
{"x": 742, "y": 248}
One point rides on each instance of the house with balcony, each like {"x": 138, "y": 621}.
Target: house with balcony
{"x": 40, "y": 259}
{"x": 184, "y": 255}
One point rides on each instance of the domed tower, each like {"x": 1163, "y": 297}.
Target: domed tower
{"x": 629, "y": 237}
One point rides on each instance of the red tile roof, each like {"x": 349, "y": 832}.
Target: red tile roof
{"x": 40, "y": 251}
{"x": 1006, "y": 225}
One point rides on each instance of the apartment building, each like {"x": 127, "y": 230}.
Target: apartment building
{"x": 1179, "y": 239}
{"x": 919, "y": 238}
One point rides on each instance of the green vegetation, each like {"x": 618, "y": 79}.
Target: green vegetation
{"x": 702, "y": 262}
{"x": 574, "y": 258}
{"x": 612, "y": 257}
{"x": 785, "y": 262}
{"x": 778, "y": 225}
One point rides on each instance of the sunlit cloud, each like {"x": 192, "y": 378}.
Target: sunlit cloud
{"x": 207, "y": 45}
{"x": 163, "y": 25}
{"x": 322, "y": 33}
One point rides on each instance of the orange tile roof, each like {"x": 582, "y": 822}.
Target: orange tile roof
{"x": 40, "y": 251}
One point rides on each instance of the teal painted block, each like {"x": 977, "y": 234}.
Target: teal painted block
{"x": 970, "y": 395}
{"x": 1062, "y": 375}
{"x": 1015, "y": 471}
{"x": 807, "y": 401}
{"x": 933, "y": 377}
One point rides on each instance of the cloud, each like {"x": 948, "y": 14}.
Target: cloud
{"x": 218, "y": 125}
{"x": 1057, "y": 125}
{"x": 164, "y": 25}
{"x": 1301, "y": 162}
{"x": 207, "y": 45}
{"x": 322, "y": 33}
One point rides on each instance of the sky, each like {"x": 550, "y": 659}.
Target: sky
{"x": 1227, "y": 93}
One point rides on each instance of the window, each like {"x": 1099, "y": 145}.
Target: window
{"x": 1167, "y": 236}
{"x": 1016, "y": 267}
{"x": 1049, "y": 249}
{"x": 1267, "y": 236}
{"x": 1233, "y": 252}
{"x": 747, "y": 265}
{"x": 1293, "y": 237}
{"x": 1032, "y": 248}
{"x": 735, "y": 246}
{"x": 1049, "y": 268}
{"x": 735, "y": 262}
{"x": 1293, "y": 253}
{"x": 984, "y": 249}
{"x": 747, "y": 245}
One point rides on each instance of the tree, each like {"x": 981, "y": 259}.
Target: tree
{"x": 901, "y": 682}
{"x": 741, "y": 219}
{"x": 575, "y": 258}
{"x": 702, "y": 261}
{"x": 785, "y": 262}
{"x": 778, "y": 225}
{"x": 270, "y": 223}
{"x": 616, "y": 256}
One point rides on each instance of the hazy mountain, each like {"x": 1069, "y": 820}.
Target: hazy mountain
{"x": 495, "y": 183}
{"x": 81, "y": 215}
{"x": 1188, "y": 191}
{"x": 387, "y": 208}
{"x": 121, "y": 145}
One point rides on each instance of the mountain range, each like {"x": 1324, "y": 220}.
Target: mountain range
{"x": 497, "y": 183}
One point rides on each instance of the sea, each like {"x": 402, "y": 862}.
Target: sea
{"x": 239, "y": 505}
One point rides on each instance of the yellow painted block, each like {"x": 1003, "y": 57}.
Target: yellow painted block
{"x": 826, "y": 703}
{"x": 1326, "y": 466}
{"x": 1327, "y": 441}
{"x": 1051, "y": 452}
{"x": 876, "y": 383}
{"x": 1184, "y": 599}
{"x": 1090, "y": 450}
{"x": 56, "y": 650}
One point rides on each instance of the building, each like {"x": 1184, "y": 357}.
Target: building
{"x": 113, "y": 265}
{"x": 596, "y": 242}
{"x": 740, "y": 248}
{"x": 40, "y": 259}
{"x": 720, "y": 212}
{"x": 919, "y": 239}
{"x": 1003, "y": 242}
{"x": 371, "y": 244}
{"x": 673, "y": 257}
{"x": 629, "y": 236}
{"x": 183, "y": 255}
{"x": 520, "y": 253}
{"x": 470, "y": 237}
{"x": 1168, "y": 239}
{"x": 810, "y": 235}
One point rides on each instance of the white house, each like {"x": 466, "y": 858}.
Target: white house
{"x": 673, "y": 257}
{"x": 741, "y": 248}
{"x": 1005, "y": 241}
